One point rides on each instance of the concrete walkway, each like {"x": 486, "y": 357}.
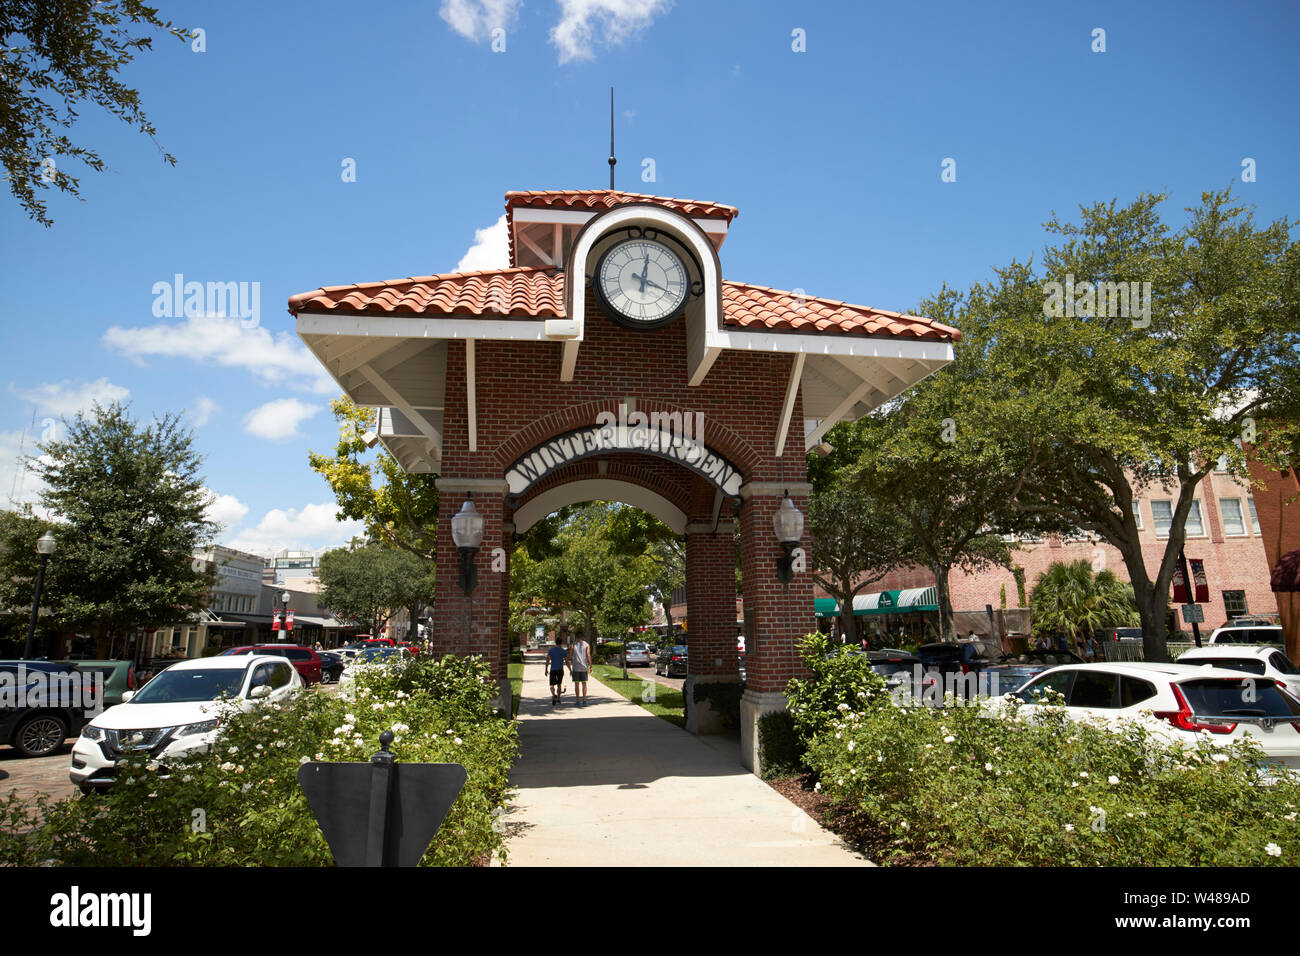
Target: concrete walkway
{"x": 610, "y": 784}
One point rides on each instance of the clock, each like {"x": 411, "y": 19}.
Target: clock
{"x": 642, "y": 283}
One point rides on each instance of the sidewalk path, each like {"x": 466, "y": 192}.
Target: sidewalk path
{"x": 610, "y": 784}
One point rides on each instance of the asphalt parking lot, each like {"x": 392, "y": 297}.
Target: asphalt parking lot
{"x": 31, "y": 776}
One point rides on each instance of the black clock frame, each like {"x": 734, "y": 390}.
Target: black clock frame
{"x": 694, "y": 288}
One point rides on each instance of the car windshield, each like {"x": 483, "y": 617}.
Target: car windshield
{"x": 186, "y": 686}
{"x": 1227, "y": 698}
{"x": 679, "y": 649}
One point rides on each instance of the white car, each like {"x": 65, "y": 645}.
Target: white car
{"x": 175, "y": 713}
{"x": 375, "y": 654}
{"x": 1195, "y": 701}
{"x": 1247, "y": 634}
{"x": 638, "y": 653}
{"x": 1270, "y": 662}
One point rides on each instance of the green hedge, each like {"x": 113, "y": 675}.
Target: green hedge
{"x": 609, "y": 653}
{"x": 240, "y": 803}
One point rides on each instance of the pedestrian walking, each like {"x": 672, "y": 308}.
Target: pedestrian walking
{"x": 555, "y": 660}
{"x": 1089, "y": 649}
{"x": 579, "y": 664}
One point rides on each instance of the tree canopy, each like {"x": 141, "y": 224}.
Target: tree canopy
{"x": 370, "y": 583}
{"x": 56, "y": 55}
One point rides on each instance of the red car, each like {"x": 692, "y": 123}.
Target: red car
{"x": 305, "y": 660}
{"x": 412, "y": 647}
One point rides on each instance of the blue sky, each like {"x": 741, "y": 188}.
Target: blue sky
{"x": 833, "y": 156}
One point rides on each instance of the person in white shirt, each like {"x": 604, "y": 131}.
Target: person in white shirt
{"x": 579, "y": 665}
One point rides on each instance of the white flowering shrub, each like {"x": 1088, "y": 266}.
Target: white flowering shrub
{"x": 839, "y": 680}
{"x": 957, "y": 786}
{"x": 255, "y": 813}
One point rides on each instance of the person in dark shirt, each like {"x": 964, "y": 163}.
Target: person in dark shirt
{"x": 555, "y": 660}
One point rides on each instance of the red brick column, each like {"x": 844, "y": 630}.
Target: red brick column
{"x": 471, "y": 624}
{"x": 711, "y": 597}
{"x": 776, "y": 615}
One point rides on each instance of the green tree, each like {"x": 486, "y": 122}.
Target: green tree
{"x": 56, "y": 55}
{"x": 370, "y": 583}
{"x": 1070, "y": 598}
{"x": 857, "y": 539}
{"x": 135, "y": 511}
{"x": 398, "y": 508}
{"x": 1109, "y": 407}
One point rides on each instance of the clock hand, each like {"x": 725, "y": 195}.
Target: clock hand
{"x": 644, "y": 269}
{"x": 655, "y": 284}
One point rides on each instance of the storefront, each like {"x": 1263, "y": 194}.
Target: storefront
{"x": 889, "y": 617}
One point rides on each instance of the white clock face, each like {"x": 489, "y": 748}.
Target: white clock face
{"x": 643, "y": 281}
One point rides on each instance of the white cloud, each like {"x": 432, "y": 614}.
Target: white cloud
{"x": 204, "y": 409}
{"x": 584, "y": 22}
{"x": 476, "y": 19}
{"x": 69, "y": 397}
{"x": 275, "y": 359}
{"x": 491, "y": 249}
{"x": 279, "y": 420}
{"x": 226, "y": 510}
{"x": 313, "y": 526}
{"x": 18, "y": 484}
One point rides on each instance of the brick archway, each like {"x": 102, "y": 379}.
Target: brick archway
{"x": 470, "y": 371}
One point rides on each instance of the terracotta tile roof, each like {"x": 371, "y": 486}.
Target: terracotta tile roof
{"x": 537, "y": 293}
{"x": 527, "y": 293}
{"x": 758, "y": 308}
{"x": 599, "y": 200}
{"x": 602, "y": 199}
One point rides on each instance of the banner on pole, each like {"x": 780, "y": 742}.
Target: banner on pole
{"x": 275, "y": 620}
{"x": 1180, "y": 586}
{"x": 288, "y": 620}
{"x": 1199, "y": 582}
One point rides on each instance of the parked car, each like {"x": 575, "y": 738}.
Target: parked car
{"x": 1014, "y": 669}
{"x": 947, "y": 657}
{"x": 1249, "y": 634}
{"x": 1197, "y": 702}
{"x": 39, "y": 729}
{"x": 672, "y": 658}
{"x": 637, "y": 653}
{"x": 378, "y": 654}
{"x": 175, "y": 713}
{"x": 304, "y": 658}
{"x": 411, "y": 646}
{"x": 1268, "y": 662}
{"x": 896, "y": 667}
{"x": 331, "y": 666}
{"x": 1117, "y": 634}
{"x": 119, "y": 677}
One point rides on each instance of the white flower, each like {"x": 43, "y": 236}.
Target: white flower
{"x": 457, "y": 741}
{"x": 850, "y": 746}
{"x": 1220, "y": 758}
{"x": 988, "y": 766}
{"x": 1112, "y": 779}
{"x": 233, "y": 750}
{"x": 1273, "y": 850}
{"x": 950, "y": 739}
{"x": 302, "y": 760}
{"x": 817, "y": 787}
{"x": 841, "y": 707}
{"x": 1083, "y": 774}
{"x": 1069, "y": 828}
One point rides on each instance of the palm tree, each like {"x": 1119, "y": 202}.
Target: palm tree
{"x": 1070, "y": 598}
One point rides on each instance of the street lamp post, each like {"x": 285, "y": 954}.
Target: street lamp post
{"x": 284, "y": 615}
{"x": 44, "y": 547}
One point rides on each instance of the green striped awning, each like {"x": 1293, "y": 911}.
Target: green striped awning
{"x": 904, "y": 601}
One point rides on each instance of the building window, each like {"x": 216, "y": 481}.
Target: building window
{"x": 1234, "y": 523}
{"x": 1162, "y": 513}
{"x": 1254, "y": 518}
{"x": 1234, "y": 602}
{"x": 1137, "y": 514}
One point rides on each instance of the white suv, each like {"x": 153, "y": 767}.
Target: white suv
{"x": 1226, "y": 705}
{"x": 175, "y": 713}
{"x": 1268, "y": 662}
{"x": 1247, "y": 634}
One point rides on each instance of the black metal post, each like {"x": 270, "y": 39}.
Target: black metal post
{"x": 1191, "y": 593}
{"x": 36, "y": 605}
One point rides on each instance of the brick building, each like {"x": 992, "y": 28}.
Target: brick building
{"x": 611, "y": 361}
{"x": 1278, "y": 508}
{"x": 1223, "y": 530}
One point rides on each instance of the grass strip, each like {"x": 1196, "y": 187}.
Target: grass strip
{"x": 667, "y": 704}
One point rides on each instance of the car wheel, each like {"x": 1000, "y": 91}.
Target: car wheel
{"x": 40, "y": 735}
